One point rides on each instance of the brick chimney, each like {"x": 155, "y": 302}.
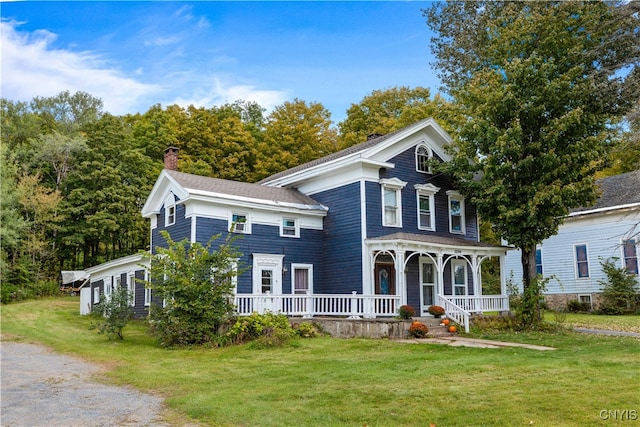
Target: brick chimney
{"x": 171, "y": 158}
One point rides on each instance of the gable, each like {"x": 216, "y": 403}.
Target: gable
{"x": 362, "y": 161}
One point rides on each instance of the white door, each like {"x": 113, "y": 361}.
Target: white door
{"x": 427, "y": 285}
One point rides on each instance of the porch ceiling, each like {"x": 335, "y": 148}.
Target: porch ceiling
{"x": 432, "y": 243}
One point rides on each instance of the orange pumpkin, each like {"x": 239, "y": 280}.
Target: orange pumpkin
{"x": 452, "y": 328}
{"x": 445, "y": 322}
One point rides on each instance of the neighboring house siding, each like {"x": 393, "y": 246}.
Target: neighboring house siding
{"x": 341, "y": 270}
{"x": 602, "y": 234}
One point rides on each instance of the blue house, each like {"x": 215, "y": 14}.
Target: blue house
{"x": 357, "y": 233}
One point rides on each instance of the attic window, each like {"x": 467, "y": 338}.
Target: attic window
{"x": 170, "y": 210}
{"x": 423, "y": 155}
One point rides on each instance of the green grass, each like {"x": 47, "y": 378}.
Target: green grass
{"x": 356, "y": 382}
{"x": 596, "y": 321}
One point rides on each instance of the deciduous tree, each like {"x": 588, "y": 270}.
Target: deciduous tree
{"x": 537, "y": 84}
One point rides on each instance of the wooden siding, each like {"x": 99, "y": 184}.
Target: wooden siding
{"x": 602, "y": 234}
{"x": 139, "y": 310}
{"x": 266, "y": 239}
{"x": 341, "y": 268}
{"x": 180, "y": 230}
{"x": 405, "y": 170}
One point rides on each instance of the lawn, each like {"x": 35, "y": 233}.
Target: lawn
{"x": 594, "y": 321}
{"x": 356, "y": 382}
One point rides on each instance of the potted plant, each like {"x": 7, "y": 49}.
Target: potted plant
{"x": 406, "y": 312}
{"x": 436, "y": 311}
{"x": 418, "y": 329}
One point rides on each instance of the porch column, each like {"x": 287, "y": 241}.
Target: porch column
{"x": 439, "y": 277}
{"x": 475, "y": 267}
{"x": 503, "y": 275}
{"x": 401, "y": 288}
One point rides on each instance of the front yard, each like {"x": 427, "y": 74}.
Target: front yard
{"x": 356, "y": 382}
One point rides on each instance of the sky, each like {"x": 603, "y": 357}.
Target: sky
{"x": 133, "y": 55}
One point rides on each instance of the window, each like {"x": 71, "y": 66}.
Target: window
{"x": 630, "y": 254}
{"x": 585, "y": 299}
{"x": 582, "y": 261}
{"x": 423, "y": 154}
{"x": 170, "y": 210}
{"x": 426, "y": 206}
{"x": 147, "y": 297}
{"x": 239, "y": 223}
{"x": 289, "y": 228}
{"x": 131, "y": 288}
{"x": 539, "y": 261}
{"x": 96, "y": 295}
{"x": 266, "y": 281}
{"x": 456, "y": 212}
{"x": 459, "y": 277}
{"x": 302, "y": 278}
{"x": 392, "y": 202}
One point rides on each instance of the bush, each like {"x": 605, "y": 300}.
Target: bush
{"x": 620, "y": 293}
{"x": 406, "y": 312}
{"x": 271, "y": 329}
{"x": 114, "y": 313}
{"x": 418, "y": 330}
{"x": 307, "y": 330}
{"x": 576, "y": 306}
{"x": 494, "y": 323}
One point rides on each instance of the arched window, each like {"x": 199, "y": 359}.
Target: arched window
{"x": 423, "y": 155}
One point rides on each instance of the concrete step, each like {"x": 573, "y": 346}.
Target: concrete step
{"x": 434, "y": 326}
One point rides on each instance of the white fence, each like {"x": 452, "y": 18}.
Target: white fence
{"x": 353, "y": 306}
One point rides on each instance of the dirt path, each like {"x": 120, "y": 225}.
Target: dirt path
{"x": 42, "y": 388}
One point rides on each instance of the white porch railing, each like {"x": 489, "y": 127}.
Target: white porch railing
{"x": 480, "y": 304}
{"x": 455, "y": 312}
{"x": 353, "y": 306}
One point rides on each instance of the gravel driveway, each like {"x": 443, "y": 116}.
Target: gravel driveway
{"x": 42, "y": 388}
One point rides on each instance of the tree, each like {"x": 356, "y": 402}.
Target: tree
{"x": 196, "y": 283}
{"x": 620, "y": 292}
{"x": 295, "y": 133}
{"x": 113, "y": 312}
{"x": 67, "y": 113}
{"x": 385, "y": 111}
{"x": 537, "y": 84}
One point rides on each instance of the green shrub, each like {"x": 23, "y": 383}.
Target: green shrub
{"x": 494, "y": 323}
{"x": 307, "y": 330}
{"x": 113, "y": 313}
{"x": 620, "y": 293}
{"x": 575, "y": 306}
{"x": 272, "y": 329}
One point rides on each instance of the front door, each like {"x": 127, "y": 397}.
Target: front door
{"x": 427, "y": 285}
{"x": 385, "y": 279}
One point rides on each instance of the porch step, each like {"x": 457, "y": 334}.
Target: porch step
{"x": 435, "y": 329}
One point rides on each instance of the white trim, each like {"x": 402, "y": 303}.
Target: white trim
{"x": 604, "y": 209}
{"x": 454, "y": 195}
{"x": 586, "y": 295}
{"x": 170, "y": 211}
{"x": 299, "y": 266}
{"x": 423, "y": 144}
{"x": 427, "y": 190}
{"x": 296, "y": 227}
{"x": 575, "y": 261}
{"x": 394, "y": 185}
{"x": 271, "y": 262}
{"x": 239, "y": 227}
{"x": 454, "y": 264}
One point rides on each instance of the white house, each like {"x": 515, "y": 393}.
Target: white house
{"x": 608, "y": 229}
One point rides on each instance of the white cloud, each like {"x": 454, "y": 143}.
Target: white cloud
{"x": 221, "y": 92}
{"x": 32, "y": 67}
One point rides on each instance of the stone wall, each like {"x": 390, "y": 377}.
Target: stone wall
{"x": 559, "y": 301}
{"x": 360, "y": 328}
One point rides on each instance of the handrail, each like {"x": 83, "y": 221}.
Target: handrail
{"x": 455, "y": 312}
